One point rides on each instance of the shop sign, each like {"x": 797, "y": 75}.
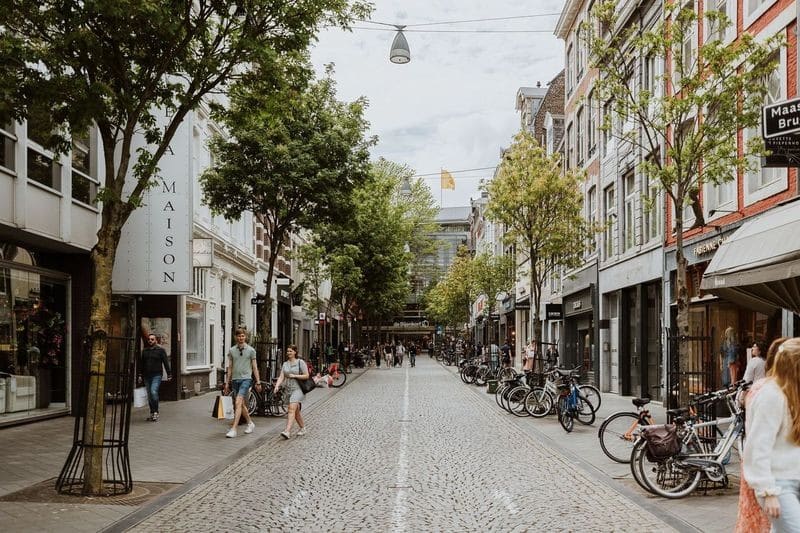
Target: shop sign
{"x": 781, "y": 118}
{"x": 258, "y": 300}
{"x": 155, "y": 254}
{"x": 553, "y": 311}
{"x": 709, "y": 247}
{"x": 202, "y": 253}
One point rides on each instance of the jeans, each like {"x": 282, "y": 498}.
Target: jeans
{"x": 789, "y": 521}
{"x": 152, "y": 384}
{"x": 240, "y": 387}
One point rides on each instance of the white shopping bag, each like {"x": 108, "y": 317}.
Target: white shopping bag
{"x": 227, "y": 407}
{"x": 139, "y": 397}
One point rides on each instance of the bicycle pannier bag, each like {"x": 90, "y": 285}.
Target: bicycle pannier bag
{"x": 306, "y": 385}
{"x": 662, "y": 441}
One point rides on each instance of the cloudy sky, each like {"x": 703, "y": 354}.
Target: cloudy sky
{"x": 452, "y": 106}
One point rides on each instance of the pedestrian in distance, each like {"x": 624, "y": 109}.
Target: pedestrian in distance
{"x": 756, "y": 366}
{"x": 387, "y": 354}
{"x": 242, "y": 366}
{"x": 772, "y": 450}
{"x": 152, "y": 359}
{"x": 412, "y": 354}
{"x": 378, "y": 355}
{"x": 400, "y": 352}
{"x": 729, "y": 353}
{"x": 293, "y": 369}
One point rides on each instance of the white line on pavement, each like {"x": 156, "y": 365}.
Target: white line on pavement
{"x": 298, "y": 503}
{"x": 399, "y": 513}
{"x": 506, "y": 500}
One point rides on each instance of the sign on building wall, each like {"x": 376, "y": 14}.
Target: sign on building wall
{"x": 154, "y": 255}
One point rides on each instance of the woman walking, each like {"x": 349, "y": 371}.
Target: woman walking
{"x": 292, "y": 370}
{"x": 772, "y": 450}
{"x": 751, "y": 517}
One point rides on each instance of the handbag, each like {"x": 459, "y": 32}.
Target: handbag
{"x": 306, "y": 385}
{"x": 139, "y": 397}
{"x": 227, "y": 407}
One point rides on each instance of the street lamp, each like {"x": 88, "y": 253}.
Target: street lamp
{"x": 405, "y": 188}
{"x": 400, "y": 52}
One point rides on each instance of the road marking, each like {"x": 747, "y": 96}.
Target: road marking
{"x": 506, "y": 500}
{"x": 299, "y": 502}
{"x": 400, "y": 507}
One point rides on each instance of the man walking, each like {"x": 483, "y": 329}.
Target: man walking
{"x": 242, "y": 366}
{"x": 153, "y": 357}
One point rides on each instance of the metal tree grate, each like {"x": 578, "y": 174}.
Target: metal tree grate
{"x": 117, "y": 385}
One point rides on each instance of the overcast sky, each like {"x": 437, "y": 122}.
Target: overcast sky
{"x": 452, "y": 106}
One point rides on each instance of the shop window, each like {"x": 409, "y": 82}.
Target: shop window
{"x": 195, "y": 334}
{"x": 43, "y": 169}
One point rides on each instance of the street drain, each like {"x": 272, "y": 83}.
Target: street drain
{"x": 400, "y": 486}
{"x": 45, "y": 492}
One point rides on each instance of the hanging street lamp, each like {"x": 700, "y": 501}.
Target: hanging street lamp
{"x": 400, "y": 53}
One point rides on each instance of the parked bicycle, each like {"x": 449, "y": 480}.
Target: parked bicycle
{"x": 573, "y": 405}
{"x": 703, "y": 452}
{"x": 619, "y": 431}
{"x": 541, "y": 401}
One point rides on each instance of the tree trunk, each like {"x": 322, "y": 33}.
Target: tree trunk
{"x": 682, "y": 320}
{"x": 94, "y": 429}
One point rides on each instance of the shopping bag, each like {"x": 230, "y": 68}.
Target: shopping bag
{"x": 216, "y": 411}
{"x": 227, "y": 407}
{"x": 139, "y": 397}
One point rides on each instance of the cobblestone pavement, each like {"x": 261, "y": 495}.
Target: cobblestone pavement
{"x": 407, "y": 449}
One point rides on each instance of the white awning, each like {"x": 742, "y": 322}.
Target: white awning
{"x": 759, "y": 265}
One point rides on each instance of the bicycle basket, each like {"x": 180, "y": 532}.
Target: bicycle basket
{"x": 662, "y": 441}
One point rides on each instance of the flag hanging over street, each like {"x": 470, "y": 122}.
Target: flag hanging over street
{"x": 448, "y": 181}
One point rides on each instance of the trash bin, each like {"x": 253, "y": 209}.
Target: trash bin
{"x": 491, "y": 387}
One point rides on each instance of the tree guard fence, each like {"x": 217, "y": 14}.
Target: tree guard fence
{"x": 117, "y": 392}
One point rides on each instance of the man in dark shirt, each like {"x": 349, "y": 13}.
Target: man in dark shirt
{"x": 153, "y": 357}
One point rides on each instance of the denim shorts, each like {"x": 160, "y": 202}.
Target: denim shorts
{"x": 240, "y": 387}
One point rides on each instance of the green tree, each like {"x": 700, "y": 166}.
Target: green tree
{"x": 686, "y": 127}
{"x": 540, "y": 207}
{"x": 346, "y": 280}
{"x": 134, "y": 69}
{"x": 449, "y": 302}
{"x": 294, "y": 156}
{"x": 491, "y": 275}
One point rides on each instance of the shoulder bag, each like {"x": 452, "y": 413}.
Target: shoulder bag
{"x": 306, "y": 385}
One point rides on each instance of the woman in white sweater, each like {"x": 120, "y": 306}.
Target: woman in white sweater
{"x": 772, "y": 449}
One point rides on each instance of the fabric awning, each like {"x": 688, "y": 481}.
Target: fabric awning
{"x": 759, "y": 265}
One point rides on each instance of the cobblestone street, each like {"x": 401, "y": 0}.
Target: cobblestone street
{"x": 407, "y": 449}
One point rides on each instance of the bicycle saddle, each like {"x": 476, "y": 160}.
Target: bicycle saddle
{"x": 680, "y": 411}
{"x": 639, "y": 402}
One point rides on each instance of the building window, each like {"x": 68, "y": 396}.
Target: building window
{"x": 687, "y": 51}
{"x": 716, "y": 30}
{"x": 654, "y": 219}
{"x": 568, "y": 148}
{"x": 195, "y": 334}
{"x": 591, "y": 216}
{"x": 8, "y": 142}
{"x": 610, "y": 207}
{"x": 763, "y": 182}
{"x": 199, "y": 282}
{"x": 591, "y": 125}
{"x": 84, "y": 172}
{"x": 42, "y": 166}
{"x": 579, "y": 137}
{"x": 580, "y": 58}
{"x": 608, "y": 126}
{"x": 570, "y": 70}
{"x": 629, "y": 190}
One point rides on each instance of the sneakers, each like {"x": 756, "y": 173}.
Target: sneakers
{"x": 231, "y": 433}
{"x": 250, "y": 428}
{"x": 285, "y": 435}
{"x": 301, "y": 432}
{"x": 153, "y": 417}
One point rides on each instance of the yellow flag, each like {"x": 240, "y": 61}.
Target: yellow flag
{"x": 448, "y": 181}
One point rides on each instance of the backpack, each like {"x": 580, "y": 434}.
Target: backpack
{"x": 662, "y": 441}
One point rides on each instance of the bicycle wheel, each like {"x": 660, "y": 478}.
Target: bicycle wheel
{"x": 668, "y": 478}
{"x": 636, "y": 464}
{"x": 617, "y": 436}
{"x": 338, "y": 379}
{"x": 516, "y": 401}
{"x": 592, "y": 393}
{"x": 564, "y": 415}
{"x": 480, "y": 376}
{"x": 279, "y": 403}
{"x": 538, "y": 402}
{"x": 500, "y": 393}
{"x": 506, "y": 373}
{"x": 252, "y": 402}
{"x": 585, "y": 411}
